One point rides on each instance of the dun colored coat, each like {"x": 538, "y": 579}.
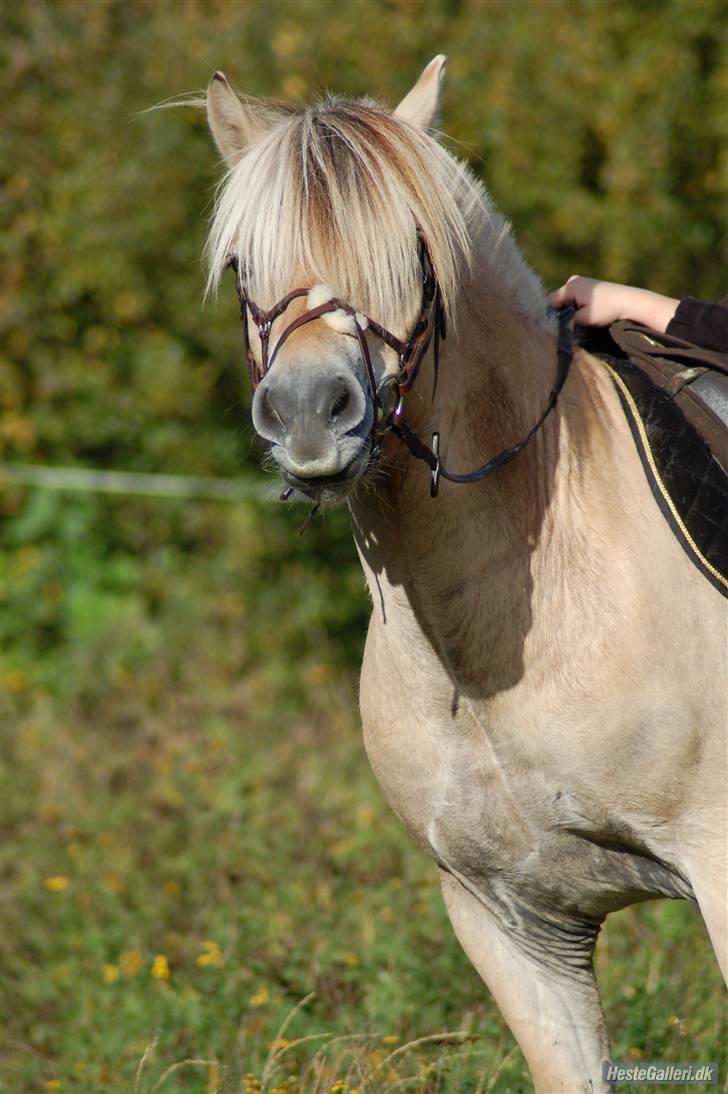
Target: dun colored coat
{"x": 543, "y": 691}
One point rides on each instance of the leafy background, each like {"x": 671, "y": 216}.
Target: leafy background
{"x": 193, "y": 842}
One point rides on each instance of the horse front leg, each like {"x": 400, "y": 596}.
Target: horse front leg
{"x": 707, "y": 869}
{"x": 556, "y": 1017}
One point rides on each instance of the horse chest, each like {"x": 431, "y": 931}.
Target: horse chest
{"x": 438, "y": 774}
{"x": 515, "y": 839}
{"x": 514, "y": 822}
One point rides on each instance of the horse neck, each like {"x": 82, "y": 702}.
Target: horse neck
{"x": 461, "y": 564}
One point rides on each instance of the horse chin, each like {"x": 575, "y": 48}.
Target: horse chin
{"x": 329, "y": 488}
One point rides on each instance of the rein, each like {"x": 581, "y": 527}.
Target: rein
{"x": 430, "y": 326}
{"x": 431, "y": 456}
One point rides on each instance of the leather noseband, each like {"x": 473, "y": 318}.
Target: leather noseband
{"x": 410, "y": 353}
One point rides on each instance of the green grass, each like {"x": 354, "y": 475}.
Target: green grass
{"x": 203, "y": 888}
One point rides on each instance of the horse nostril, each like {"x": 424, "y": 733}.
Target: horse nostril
{"x": 339, "y": 405}
{"x": 268, "y": 414}
{"x": 271, "y": 411}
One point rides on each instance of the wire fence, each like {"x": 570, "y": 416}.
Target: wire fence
{"x": 89, "y": 480}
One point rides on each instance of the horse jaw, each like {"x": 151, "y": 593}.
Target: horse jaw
{"x": 421, "y": 106}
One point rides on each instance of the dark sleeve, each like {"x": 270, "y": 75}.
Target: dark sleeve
{"x": 705, "y": 325}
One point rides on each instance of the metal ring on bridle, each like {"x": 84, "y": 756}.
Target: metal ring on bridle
{"x": 384, "y": 416}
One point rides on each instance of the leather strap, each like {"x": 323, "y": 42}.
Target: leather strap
{"x": 431, "y": 456}
{"x": 696, "y": 378}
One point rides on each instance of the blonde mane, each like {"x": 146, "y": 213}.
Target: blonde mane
{"x": 334, "y": 193}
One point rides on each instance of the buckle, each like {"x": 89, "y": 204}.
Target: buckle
{"x": 435, "y": 471}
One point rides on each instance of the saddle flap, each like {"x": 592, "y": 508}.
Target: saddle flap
{"x": 695, "y": 378}
{"x": 687, "y": 481}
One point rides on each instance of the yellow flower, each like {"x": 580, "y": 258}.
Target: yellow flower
{"x": 260, "y": 998}
{"x": 317, "y": 675}
{"x": 390, "y": 1039}
{"x": 53, "y": 1084}
{"x": 110, "y": 973}
{"x": 51, "y": 811}
{"x": 341, "y": 846}
{"x": 351, "y": 960}
{"x": 113, "y": 884}
{"x": 211, "y": 955}
{"x": 160, "y": 967}
{"x": 273, "y": 1046}
{"x": 131, "y": 961}
{"x": 56, "y": 885}
{"x": 16, "y": 681}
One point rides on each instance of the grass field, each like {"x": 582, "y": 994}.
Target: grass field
{"x": 203, "y": 888}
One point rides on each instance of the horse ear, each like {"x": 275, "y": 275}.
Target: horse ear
{"x": 233, "y": 123}
{"x": 421, "y": 105}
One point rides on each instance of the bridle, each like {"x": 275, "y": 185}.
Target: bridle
{"x": 410, "y": 353}
{"x": 430, "y": 327}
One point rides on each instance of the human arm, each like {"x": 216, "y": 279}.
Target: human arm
{"x": 601, "y": 303}
{"x": 703, "y": 324}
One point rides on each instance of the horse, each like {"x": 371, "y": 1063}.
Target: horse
{"x": 543, "y": 692}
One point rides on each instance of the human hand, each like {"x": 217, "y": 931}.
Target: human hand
{"x": 600, "y": 303}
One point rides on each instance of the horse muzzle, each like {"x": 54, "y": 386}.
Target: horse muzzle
{"x": 318, "y": 421}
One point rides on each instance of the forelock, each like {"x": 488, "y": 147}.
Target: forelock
{"x": 336, "y": 193}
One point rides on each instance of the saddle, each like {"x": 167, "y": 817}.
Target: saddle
{"x": 675, "y": 398}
